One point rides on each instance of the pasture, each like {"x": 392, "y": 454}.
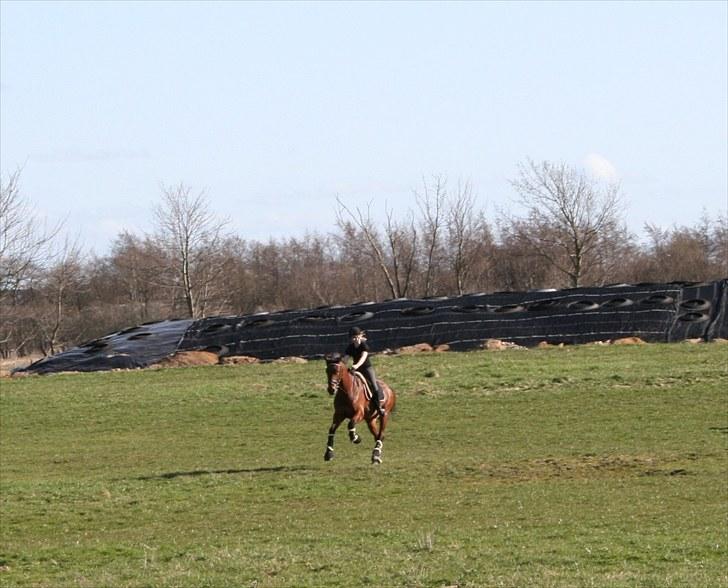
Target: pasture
{"x": 581, "y": 466}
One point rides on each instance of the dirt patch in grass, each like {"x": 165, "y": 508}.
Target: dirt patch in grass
{"x": 577, "y": 467}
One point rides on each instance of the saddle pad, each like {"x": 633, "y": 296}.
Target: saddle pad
{"x": 367, "y": 390}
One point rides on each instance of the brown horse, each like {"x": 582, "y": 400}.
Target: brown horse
{"x": 350, "y": 402}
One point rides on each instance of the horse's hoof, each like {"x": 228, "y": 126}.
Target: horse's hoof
{"x": 356, "y": 441}
{"x": 376, "y": 460}
{"x": 328, "y": 456}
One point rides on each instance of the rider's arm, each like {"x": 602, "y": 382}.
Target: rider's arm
{"x": 362, "y": 359}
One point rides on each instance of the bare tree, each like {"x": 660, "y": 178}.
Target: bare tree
{"x": 403, "y": 251}
{"x": 694, "y": 253}
{"x": 517, "y": 265}
{"x": 192, "y": 237}
{"x": 24, "y": 241}
{"x": 359, "y": 272}
{"x": 396, "y": 256}
{"x": 312, "y": 271}
{"x": 61, "y": 283}
{"x": 570, "y": 212}
{"x": 26, "y": 249}
{"x": 468, "y": 236}
{"x": 719, "y": 236}
{"x": 432, "y": 202}
{"x": 134, "y": 263}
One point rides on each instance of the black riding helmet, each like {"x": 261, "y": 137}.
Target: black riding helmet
{"x": 354, "y": 331}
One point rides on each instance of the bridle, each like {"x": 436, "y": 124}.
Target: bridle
{"x": 334, "y": 381}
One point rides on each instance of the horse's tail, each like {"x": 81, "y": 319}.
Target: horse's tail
{"x": 392, "y": 393}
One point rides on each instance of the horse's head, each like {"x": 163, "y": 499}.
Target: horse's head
{"x": 334, "y": 367}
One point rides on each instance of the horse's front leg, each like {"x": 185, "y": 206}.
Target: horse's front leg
{"x": 329, "y": 455}
{"x": 353, "y": 437}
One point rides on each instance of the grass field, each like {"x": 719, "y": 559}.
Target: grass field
{"x": 582, "y": 466}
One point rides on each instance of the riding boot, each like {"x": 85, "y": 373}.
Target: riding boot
{"x": 380, "y": 400}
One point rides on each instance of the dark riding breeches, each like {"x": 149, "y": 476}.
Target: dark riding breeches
{"x": 373, "y": 384}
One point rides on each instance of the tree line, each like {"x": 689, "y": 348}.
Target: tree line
{"x": 572, "y": 233}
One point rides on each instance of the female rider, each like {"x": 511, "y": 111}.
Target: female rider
{"x": 358, "y": 350}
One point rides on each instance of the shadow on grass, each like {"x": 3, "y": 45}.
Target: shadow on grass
{"x": 196, "y": 473}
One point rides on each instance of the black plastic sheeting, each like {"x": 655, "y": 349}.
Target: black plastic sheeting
{"x": 135, "y": 347}
{"x": 653, "y": 312}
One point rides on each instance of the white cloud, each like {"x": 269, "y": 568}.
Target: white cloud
{"x": 600, "y": 167}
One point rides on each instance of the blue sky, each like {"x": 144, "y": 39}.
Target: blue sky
{"x": 276, "y": 108}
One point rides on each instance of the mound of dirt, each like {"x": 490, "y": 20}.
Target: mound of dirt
{"x": 418, "y": 348}
{"x": 239, "y": 360}
{"x": 629, "y": 341}
{"x": 188, "y": 358}
{"x": 498, "y": 345}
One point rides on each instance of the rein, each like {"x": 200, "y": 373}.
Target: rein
{"x": 335, "y": 381}
{"x": 354, "y": 391}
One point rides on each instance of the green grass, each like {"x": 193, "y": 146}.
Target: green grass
{"x": 582, "y": 466}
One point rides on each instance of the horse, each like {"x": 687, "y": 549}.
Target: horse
{"x": 351, "y": 402}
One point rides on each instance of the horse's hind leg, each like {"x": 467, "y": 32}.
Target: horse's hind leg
{"x": 378, "y": 432}
{"x": 329, "y": 455}
{"x": 353, "y": 437}
{"x": 377, "y": 452}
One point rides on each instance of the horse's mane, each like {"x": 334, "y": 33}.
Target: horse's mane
{"x": 334, "y": 357}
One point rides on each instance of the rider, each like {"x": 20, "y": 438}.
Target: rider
{"x": 358, "y": 350}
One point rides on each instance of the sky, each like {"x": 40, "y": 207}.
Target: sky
{"x": 275, "y": 109}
